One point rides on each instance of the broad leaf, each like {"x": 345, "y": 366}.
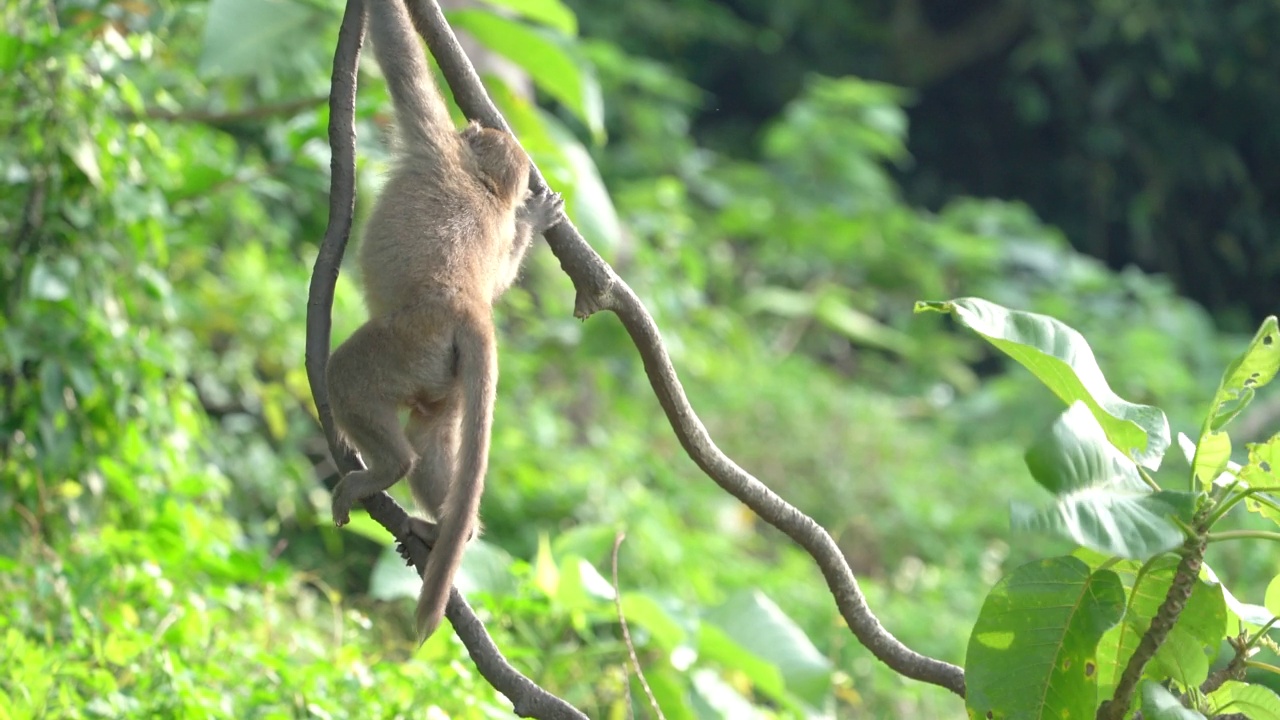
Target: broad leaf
{"x": 1102, "y": 502}
{"x": 552, "y": 13}
{"x": 1160, "y": 704}
{"x": 1063, "y": 361}
{"x": 243, "y": 36}
{"x": 760, "y": 628}
{"x": 1254, "y": 368}
{"x": 1241, "y": 612}
{"x": 1254, "y": 701}
{"x": 548, "y": 61}
{"x": 1032, "y": 651}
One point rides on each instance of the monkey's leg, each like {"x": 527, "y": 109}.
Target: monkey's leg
{"x": 365, "y": 396}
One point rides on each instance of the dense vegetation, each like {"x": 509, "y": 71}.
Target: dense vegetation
{"x": 168, "y": 551}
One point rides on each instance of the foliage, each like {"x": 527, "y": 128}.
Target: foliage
{"x": 1057, "y": 636}
{"x": 164, "y": 180}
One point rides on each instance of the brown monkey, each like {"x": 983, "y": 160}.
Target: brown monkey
{"x": 445, "y": 239}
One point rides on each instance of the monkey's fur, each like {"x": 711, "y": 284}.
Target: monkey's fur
{"x": 445, "y": 239}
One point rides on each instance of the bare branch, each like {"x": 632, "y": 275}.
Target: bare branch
{"x": 599, "y": 288}
{"x": 528, "y": 699}
{"x": 226, "y": 117}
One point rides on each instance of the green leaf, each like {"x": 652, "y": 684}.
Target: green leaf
{"x": 669, "y": 628}
{"x": 581, "y": 586}
{"x": 1193, "y": 641}
{"x": 1160, "y": 704}
{"x": 1255, "y": 367}
{"x": 1063, "y": 361}
{"x": 1032, "y": 651}
{"x": 1254, "y": 701}
{"x": 552, "y": 13}
{"x": 1263, "y": 471}
{"x": 242, "y": 36}
{"x": 1246, "y": 613}
{"x": 1102, "y": 502}
{"x": 761, "y": 629}
{"x": 391, "y": 578}
{"x": 548, "y": 61}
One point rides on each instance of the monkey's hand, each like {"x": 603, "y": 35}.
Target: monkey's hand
{"x": 541, "y": 212}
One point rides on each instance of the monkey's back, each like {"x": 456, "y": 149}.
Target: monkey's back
{"x": 431, "y": 236}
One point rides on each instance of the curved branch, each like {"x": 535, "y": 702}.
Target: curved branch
{"x": 599, "y": 288}
{"x": 528, "y": 699}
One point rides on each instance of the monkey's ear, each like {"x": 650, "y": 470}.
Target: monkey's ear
{"x": 471, "y": 131}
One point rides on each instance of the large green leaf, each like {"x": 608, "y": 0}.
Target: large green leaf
{"x": 1063, "y": 361}
{"x": 1255, "y": 701}
{"x": 241, "y": 36}
{"x": 1255, "y": 367}
{"x": 759, "y": 628}
{"x": 552, "y": 13}
{"x": 1032, "y": 652}
{"x": 1102, "y": 502}
{"x": 548, "y": 61}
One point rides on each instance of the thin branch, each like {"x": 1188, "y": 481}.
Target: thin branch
{"x": 527, "y": 698}
{"x": 227, "y": 117}
{"x": 599, "y": 288}
{"x": 626, "y": 633}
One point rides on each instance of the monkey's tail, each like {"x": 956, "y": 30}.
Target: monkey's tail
{"x": 478, "y": 370}
{"x": 421, "y": 116}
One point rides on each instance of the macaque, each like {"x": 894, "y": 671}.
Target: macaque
{"x": 445, "y": 239}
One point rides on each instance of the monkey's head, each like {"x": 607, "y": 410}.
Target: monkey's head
{"x": 501, "y": 163}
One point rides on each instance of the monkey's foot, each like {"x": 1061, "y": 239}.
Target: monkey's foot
{"x": 346, "y": 495}
{"x": 425, "y": 530}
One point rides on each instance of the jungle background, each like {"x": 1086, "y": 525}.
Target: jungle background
{"x": 779, "y": 182}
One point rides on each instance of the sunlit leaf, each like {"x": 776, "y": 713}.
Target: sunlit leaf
{"x": 548, "y": 60}
{"x": 1102, "y": 502}
{"x": 1254, "y": 368}
{"x": 1241, "y": 612}
{"x": 241, "y": 36}
{"x": 1256, "y": 702}
{"x": 1032, "y": 651}
{"x": 1062, "y": 360}
{"x": 1263, "y": 471}
{"x": 762, "y": 630}
{"x": 552, "y": 13}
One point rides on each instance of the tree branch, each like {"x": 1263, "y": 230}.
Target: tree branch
{"x": 227, "y": 117}
{"x": 599, "y": 288}
{"x": 528, "y": 699}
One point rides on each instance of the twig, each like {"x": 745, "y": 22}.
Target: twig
{"x": 228, "y": 117}
{"x": 626, "y": 632}
{"x": 599, "y": 288}
{"x": 527, "y": 698}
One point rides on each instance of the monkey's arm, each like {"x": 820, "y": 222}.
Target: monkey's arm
{"x": 538, "y": 214}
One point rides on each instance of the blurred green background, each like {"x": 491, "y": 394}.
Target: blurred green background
{"x": 778, "y": 181}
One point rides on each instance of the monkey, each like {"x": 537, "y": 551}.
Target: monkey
{"x": 444, "y": 240}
